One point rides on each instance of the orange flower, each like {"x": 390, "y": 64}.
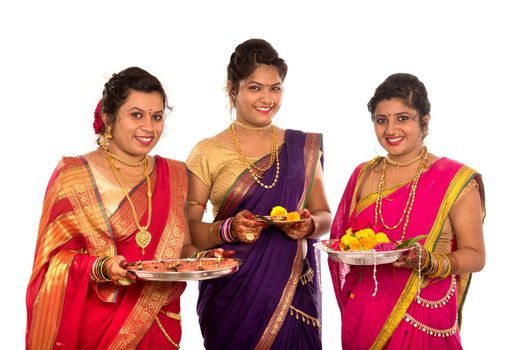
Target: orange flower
{"x": 292, "y": 216}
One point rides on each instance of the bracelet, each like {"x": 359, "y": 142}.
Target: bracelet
{"x": 98, "y": 273}
{"x": 195, "y": 203}
{"x": 225, "y": 230}
{"x": 214, "y": 233}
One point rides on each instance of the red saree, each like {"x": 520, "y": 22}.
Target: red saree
{"x": 65, "y": 310}
{"x": 393, "y": 318}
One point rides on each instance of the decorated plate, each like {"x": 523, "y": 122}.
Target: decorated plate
{"x": 276, "y": 220}
{"x": 360, "y": 257}
{"x": 184, "y": 269}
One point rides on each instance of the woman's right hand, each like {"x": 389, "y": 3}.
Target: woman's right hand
{"x": 245, "y": 228}
{"x": 115, "y": 269}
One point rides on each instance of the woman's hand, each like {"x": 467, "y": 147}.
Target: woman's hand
{"x": 299, "y": 230}
{"x": 115, "y": 269}
{"x": 245, "y": 228}
{"x": 220, "y": 253}
{"x": 410, "y": 259}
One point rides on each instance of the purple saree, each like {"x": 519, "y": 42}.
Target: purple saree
{"x": 256, "y": 308}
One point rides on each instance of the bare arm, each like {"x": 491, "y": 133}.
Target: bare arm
{"x": 466, "y": 219}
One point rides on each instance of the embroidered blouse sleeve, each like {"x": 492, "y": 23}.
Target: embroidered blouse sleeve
{"x": 198, "y": 164}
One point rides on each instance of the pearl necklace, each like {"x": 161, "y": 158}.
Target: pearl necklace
{"x": 250, "y": 166}
{"x": 409, "y": 202}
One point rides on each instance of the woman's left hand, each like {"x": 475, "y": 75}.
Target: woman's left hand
{"x": 299, "y": 230}
{"x": 410, "y": 259}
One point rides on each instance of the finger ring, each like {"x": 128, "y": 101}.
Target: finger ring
{"x": 123, "y": 282}
{"x": 250, "y": 236}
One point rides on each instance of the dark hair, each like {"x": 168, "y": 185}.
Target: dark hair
{"x": 117, "y": 89}
{"x": 247, "y": 57}
{"x": 406, "y": 87}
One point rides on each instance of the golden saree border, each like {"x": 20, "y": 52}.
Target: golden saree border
{"x": 92, "y": 217}
{"x": 172, "y": 239}
{"x": 49, "y": 302}
{"x": 457, "y": 184}
{"x": 361, "y": 177}
{"x": 239, "y": 188}
{"x": 312, "y": 148}
{"x": 156, "y": 294}
{"x": 282, "y": 309}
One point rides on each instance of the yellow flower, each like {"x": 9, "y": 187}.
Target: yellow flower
{"x": 349, "y": 231}
{"x": 292, "y": 216}
{"x": 381, "y": 238}
{"x": 367, "y": 232}
{"x": 354, "y": 244}
{"x": 278, "y": 211}
{"x": 368, "y": 242}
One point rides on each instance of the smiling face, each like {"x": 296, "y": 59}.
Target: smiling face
{"x": 398, "y": 129}
{"x": 259, "y": 96}
{"x": 138, "y": 126}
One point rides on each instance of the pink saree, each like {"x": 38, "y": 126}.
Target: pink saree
{"x": 393, "y": 319}
{"x": 65, "y": 310}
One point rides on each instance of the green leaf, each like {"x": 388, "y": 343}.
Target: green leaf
{"x": 410, "y": 242}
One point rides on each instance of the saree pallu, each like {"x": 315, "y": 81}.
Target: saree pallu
{"x": 393, "y": 318}
{"x": 65, "y": 310}
{"x": 252, "y": 308}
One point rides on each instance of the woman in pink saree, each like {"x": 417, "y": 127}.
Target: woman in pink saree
{"x": 102, "y": 209}
{"x": 409, "y": 192}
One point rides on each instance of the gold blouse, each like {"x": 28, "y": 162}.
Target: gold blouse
{"x": 111, "y": 195}
{"x": 218, "y": 166}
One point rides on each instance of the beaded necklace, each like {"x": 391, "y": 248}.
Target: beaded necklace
{"x": 250, "y": 166}
{"x": 143, "y": 236}
{"x": 409, "y": 202}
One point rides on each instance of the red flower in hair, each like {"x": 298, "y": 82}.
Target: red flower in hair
{"x": 98, "y": 123}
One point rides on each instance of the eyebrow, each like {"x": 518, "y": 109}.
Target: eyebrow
{"x": 262, "y": 84}
{"x": 142, "y": 110}
{"x": 393, "y": 114}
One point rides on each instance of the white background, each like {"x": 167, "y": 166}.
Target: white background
{"x": 56, "y": 56}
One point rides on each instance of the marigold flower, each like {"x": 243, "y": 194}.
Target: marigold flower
{"x": 365, "y": 233}
{"x": 381, "y": 237}
{"x": 368, "y": 243}
{"x": 278, "y": 211}
{"x": 292, "y": 216}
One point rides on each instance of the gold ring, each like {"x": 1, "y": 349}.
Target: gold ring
{"x": 250, "y": 236}
{"x": 123, "y": 282}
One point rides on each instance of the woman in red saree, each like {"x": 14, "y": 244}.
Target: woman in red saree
{"x": 409, "y": 193}
{"x": 110, "y": 206}
{"x": 273, "y": 301}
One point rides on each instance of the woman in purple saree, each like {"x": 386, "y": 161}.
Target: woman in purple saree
{"x": 273, "y": 301}
{"x": 409, "y": 193}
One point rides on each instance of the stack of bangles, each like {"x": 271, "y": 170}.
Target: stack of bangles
{"x": 98, "y": 273}
{"x": 220, "y": 232}
{"x": 438, "y": 265}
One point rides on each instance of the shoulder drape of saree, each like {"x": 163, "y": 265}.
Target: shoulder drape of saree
{"x": 74, "y": 221}
{"x": 461, "y": 176}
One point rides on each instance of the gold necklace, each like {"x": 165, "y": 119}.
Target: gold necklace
{"x": 409, "y": 202}
{"x": 252, "y": 128}
{"x": 123, "y": 161}
{"x": 250, "y": 166}
{"x": 408, "y": 162}
{"x": 143, "y": 236}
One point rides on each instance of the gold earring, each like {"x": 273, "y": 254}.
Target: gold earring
{"x": 426, "y": 131}
{"x": 155, "y": 133}
{"x": 104, "y": 139}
